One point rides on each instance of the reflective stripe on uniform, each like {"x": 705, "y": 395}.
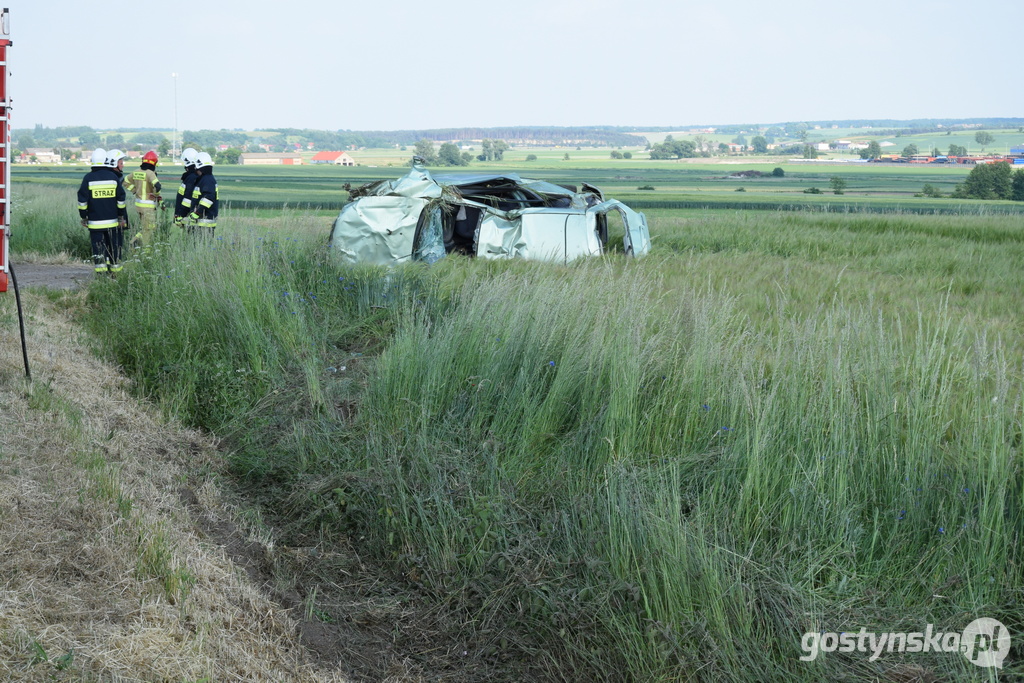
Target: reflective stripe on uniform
{"x": 207, "y": 222}
{"x": 102, "y": 225}
{"x": 145, "y": 202}
{"x": 206, "y": 202}
{"x": 103, "y": 189}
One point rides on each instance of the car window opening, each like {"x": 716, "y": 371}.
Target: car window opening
{"x": 460, "y": 223}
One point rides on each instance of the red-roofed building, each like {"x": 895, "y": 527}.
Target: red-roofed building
{"x": 338, "y": 158}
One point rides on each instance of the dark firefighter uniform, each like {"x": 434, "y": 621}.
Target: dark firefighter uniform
{"x": 183, "y": 200}
{"x": 101, "y": 204}
{"x": 205, "y": 203}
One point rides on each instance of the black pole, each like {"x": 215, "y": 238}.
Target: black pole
{"x": 21, "y": 321}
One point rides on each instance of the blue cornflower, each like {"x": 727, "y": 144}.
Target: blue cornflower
{"x": 551, "y": 363}
{"x": 942, "y": 529}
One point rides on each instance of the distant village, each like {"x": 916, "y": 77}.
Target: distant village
{"x": 47, "y": 155}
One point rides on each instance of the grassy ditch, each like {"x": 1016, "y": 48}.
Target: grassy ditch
{"x": 613, "y": 471}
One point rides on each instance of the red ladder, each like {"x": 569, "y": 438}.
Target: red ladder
{"x": 5, "y": 152}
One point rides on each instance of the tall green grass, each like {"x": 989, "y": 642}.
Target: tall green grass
{"x": 44, "y": 221}
{"x": 620, "y": 471}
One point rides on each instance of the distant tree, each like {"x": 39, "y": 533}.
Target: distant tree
{"x": 531, "y": 157}
{"x": 25, "y": 141}
{"x": 872, "y": 151}
{"x": 773, "y": 134}
{"x": 702, "y": 143}
{"x": 114, "y": 140}
{"x": 229, "y": 156}
{"x": 1017, "y": 186}
{"x": 723, "y": 148}
{"x": 777, "y": 172}
{"x": 466, "y": 158}
{"x": 500, "y": 147}
{"x": 984, "y": 138}
{"x": 164, "y": 148}
{"x": 930, "y": 190}
{"x": 837, "y": 184}
{"x": 739, "y": 140}
{"x": 449, "y": 155}
{"x": 759, "y": 144}
{"x": 957, "y": 151}
{"x": 627, "y": 155}
{"x": 91, "y": 140}
{"x": 425, "y": 150}
{"x": 566, "y": 157}
{"x": 671, "y": 149}
{"x": 616, "y": 154}
{"x": 909, "y": 151}
{"x": 987, "y": 181}
{"x": 809, "y": 152}
{"x": 936, "y": 152}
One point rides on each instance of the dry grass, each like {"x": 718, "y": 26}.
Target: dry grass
{"x": 105, "y": 573}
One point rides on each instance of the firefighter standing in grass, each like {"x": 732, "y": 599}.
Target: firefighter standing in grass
{"x": 205, "y": 204}
{"x": 101, "y": 204}
{"x": 145, "y": 185}
{"x": 183, "y": 200}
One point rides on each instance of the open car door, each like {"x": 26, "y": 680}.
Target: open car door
{"x": 637, "y": 238}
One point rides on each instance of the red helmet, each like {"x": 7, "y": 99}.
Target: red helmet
{"x": 150, "y": 157}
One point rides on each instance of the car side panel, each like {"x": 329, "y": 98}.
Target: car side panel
{"x": 377, "y": 230}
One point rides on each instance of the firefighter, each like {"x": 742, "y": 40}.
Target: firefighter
{"x": 145, "y": 185}
{"x": 183, "y": 200}
{"x": 101, "y": 205}
{"x": 205, "y": 199}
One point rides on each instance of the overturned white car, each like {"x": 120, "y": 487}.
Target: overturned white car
{"x": 421, "y": 217}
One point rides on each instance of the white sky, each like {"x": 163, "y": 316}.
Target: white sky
{"x": 418, "y": 64}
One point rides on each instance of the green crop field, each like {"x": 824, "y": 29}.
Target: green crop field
{"x": 679, "y": 184}
{"x": 779, "y": 422}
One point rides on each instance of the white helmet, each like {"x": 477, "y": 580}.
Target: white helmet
{"x": 203, "y": 159}
{"x": 99, "y": 156}
{"x": 188, "y": 156}
{"x": 113, "y": 156}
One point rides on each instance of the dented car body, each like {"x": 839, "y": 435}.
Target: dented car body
{"x": 423, "y": 217}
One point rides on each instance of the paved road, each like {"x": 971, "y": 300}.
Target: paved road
{"x": 54, "y": 276}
